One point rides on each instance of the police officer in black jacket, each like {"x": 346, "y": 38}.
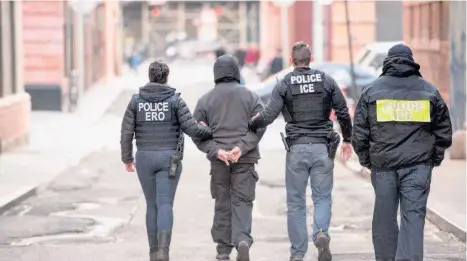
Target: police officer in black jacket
{"x": 306, "y": 97}
{"x": 401, "y": 130}
{"x": 156, "y": 117}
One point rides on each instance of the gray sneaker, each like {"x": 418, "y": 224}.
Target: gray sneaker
{"x": 243, "y": 250}
{"x": 296, "y": 258}
{"x": 322, "y": 244}
{"x": 222, "y": 256}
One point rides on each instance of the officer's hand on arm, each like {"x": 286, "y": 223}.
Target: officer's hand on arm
{"x": 272, "y": 110}
{"x": 250, "y": 141}
{"x": 210, "y": 147}
{"x": 126, "y": 136}
{"x": 361, "y": 132}
{"x": 441, "y": 128}
{"x": 188, "y": 123}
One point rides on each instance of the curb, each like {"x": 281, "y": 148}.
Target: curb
{"x": 17, "y": 198}
{"x": 433, "y": 216}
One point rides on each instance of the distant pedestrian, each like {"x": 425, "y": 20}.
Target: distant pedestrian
{"x": 240, "y": 55}
{"x": 276, "y": 64}
{"x": 135, "y": 61}
{"x": 219, "y": 51}
{"x": 401, "y": 130}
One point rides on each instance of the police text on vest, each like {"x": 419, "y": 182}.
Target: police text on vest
{"x": 306, "y": 82}
{"x": 154, "y": 111}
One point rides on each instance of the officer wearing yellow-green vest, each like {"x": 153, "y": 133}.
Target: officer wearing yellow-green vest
{"x": 401, "y": 131}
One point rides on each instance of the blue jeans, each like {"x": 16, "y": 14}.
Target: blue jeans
{"x": 159, "y": 190}
{"x": 308, "y": 161}
{"x": 410, "y": 187}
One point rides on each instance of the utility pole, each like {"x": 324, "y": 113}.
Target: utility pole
{"x": 80, "y": 53}
{"x": 285, "y": 35}
{"x": 318, "y": 32}
{"x": 349, "y": 42}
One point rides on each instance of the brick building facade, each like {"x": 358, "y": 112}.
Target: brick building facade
{"x": 426, "y": 31}
{"x": 50, "y": 50}
{"x": 300, "y": 26}
{"x": 37, "y": 56}
{"x": 369, "y": 21}
{"x": 14, "y": 101}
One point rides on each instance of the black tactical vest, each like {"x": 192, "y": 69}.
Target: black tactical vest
{"x": 306, "y": 99}
{"x": 157, "y": 126}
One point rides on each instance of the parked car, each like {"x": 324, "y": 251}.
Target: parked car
{"x": 339, "y": 71}
{"x": 372, "y": 55}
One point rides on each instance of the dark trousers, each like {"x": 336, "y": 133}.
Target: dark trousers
{"x": 408, "y": 187}
{"x": 159, "y": 190}
{"x": 233, "y": 188}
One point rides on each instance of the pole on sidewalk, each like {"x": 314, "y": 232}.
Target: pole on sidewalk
{"x": 349, "y": 42}
{"x": 285, "y": 35}
{"x": 318, "y": 32}
{"x": 80, "y": 53}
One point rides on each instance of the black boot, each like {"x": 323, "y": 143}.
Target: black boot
{"x": 153, "y": 249}
{"x": 164, "y": 239}
{"x": 152, "y": 256}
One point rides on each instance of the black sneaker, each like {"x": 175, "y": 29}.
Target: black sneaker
{"x": 322, "y": 244}
{"x": 243, "y": 251}
{"x": 222, "y": 256}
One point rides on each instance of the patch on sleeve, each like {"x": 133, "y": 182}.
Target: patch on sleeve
{"x": 403, "y": 111}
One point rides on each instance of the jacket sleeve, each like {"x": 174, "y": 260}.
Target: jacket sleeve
{"x": 441, "y": 128}
{"x": 250, "y": 141}
{"x": 339, "y": 104}
{"x": 273, "y": 109}
{"x": 188, "y": 124}
{"x": 361, "y": 133}
{"x": 127, "y": 133}
{"x": 210, "y": 147}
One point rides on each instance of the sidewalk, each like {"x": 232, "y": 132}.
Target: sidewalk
{"x": 447, "y": 201}
{"x": 58, "y": 141}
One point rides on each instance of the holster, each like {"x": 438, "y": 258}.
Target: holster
{"x": 174, "y": 160}
{"x": 176, "y": 157}
{"x": 333, "y": 143}
{"x": 285, "y": 141}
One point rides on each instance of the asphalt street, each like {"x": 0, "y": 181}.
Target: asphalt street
{"x": 95, "y": 211}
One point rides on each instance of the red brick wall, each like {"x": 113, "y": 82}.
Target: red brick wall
{"x": 14, "y": 120}
{"x": 301, "y": 22}
{"x": 426, "y": 32}
{"x": 362, "y": 20}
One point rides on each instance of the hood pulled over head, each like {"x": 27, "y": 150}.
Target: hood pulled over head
{"x": 156, "y": 92}
{"x": 400, "y": 63}
{"x": 226, "y": 69}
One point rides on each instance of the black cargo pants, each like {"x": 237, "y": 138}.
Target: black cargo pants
{"x": 408, "y": 187}
{"x": 233, "y": 188}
